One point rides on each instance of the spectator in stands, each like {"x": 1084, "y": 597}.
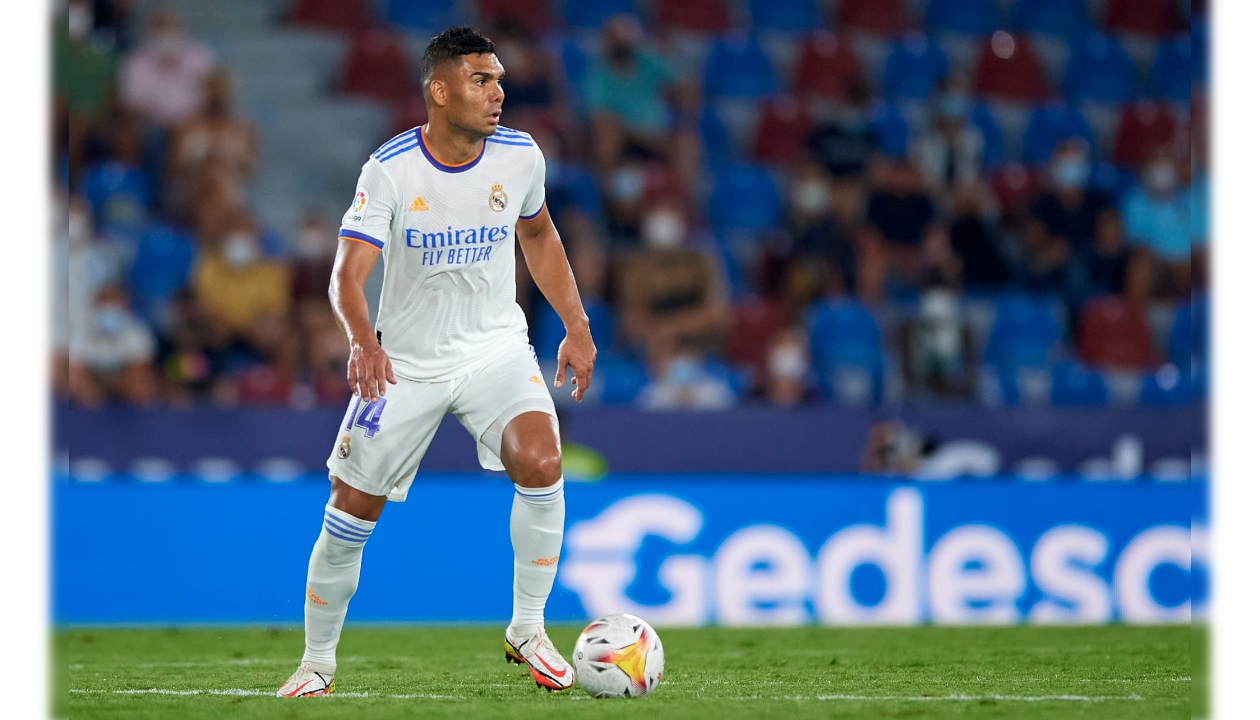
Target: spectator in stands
{"x": 92, "y": 263}
{"x": 671, "y": 292}
{"x": 85, "y": 64}
{"x": 937, "y": 347}
{"x": 313, "y": 250}
{"x": 1068, "y": 210}
{"x": 974, "y": 239}
{"x": 950, "y": 154}
{"x": 215, "y": 137}
{"x": 1157, "y": 215}
{"x": 235, "y": 285}
{"x": 111, "y": 354}
{"x": 193, "y": 352}
{"x": 681, "y": 382}
{"x": 1107, "y": 263}
{"x": 899, "y": 214}
{"x": 788, "y": 368}
{"x": 534, "y": 84}
{"x": 163, "y": 78}
{"x": 627, "y": 91}
{"x": 846, "y": 143}
{"x": 326, "y": 351}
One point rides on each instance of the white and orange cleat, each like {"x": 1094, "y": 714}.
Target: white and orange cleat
{"x": 549, "y": 668}
{"x": 309, "y": 680}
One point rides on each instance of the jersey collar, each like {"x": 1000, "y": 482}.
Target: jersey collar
{"x": 424, "y": 148}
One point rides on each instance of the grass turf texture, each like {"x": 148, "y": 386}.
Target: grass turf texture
{"x": 811, "y": 672}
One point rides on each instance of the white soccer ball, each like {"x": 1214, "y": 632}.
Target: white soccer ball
{"x": 619, "y": 656}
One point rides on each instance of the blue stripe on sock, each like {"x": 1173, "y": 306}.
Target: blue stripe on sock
{"x": 329, "y": 529}
{"x": 345, "y": 526}
{"x": 531, "y": 496}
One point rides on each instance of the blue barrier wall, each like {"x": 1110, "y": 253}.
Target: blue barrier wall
{"x": 677, "y": 549}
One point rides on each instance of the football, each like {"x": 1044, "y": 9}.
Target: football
{"x": 619, "y": 656}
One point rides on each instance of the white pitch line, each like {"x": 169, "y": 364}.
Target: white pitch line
{"x": 236, "y": 692}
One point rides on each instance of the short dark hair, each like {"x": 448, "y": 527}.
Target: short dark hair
{"x": 451, "y": 44}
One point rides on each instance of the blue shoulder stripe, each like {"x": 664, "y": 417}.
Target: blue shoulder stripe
{"x": 509, "y": 131}
{"x": 506, "y": 142}
{"x": 394, "y": 141}
{"x": 399, "y": 150}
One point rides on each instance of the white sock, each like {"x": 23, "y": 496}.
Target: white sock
{"x": 537, "y": 528}
{"x": 331, "y": 579}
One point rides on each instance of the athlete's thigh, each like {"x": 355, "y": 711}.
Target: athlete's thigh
{"x": 379, "y": 445}
{"x": 496, "y": 394}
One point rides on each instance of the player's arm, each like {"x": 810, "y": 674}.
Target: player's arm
{"x": 369, "y": 368}
{"x": 549, "y": 266}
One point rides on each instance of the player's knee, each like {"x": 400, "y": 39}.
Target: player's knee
{"x": 538, "y": 468}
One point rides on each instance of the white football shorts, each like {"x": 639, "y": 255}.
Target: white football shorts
{"x": 379, "y": 445}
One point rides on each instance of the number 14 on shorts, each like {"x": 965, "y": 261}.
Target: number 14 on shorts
{"x": 366, "y": 416}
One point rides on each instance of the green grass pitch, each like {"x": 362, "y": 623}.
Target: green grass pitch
{"x": 1111, "y": 672}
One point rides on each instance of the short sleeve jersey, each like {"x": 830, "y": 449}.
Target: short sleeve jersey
{"x": 448, "y": 237}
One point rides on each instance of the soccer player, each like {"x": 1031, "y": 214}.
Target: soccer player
{"x": 446, "y": 204}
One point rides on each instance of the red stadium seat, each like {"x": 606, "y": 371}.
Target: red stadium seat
{"x": 662, "y": 184}
{"x": 331, "y": 14}
{"x": 883, "y": 17}
{"x": 263, "y": 385}
{"x": 533, "y": 15}
{"x": 1015, "y": 186}
{"x": 1008, "y": 68}
{"x": 827, "y": 67}
{"x": 755, "y": 325}
{"x": 1155, "y": 18}
{"x": 377, "y": 66}
{"x": 694, "y": 15}
{"x": 408, "y": 113}
{"x": 1144, "y": 127}
{"x": 1114, "y": 334}
{"x": 782, "y": 126}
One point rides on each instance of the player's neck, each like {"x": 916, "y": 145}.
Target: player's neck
{"x": 450, "y": 146}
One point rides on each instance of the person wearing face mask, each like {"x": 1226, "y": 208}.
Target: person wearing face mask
{"x": 1068, "y": 210}
{"x": 669, "y": 292}
{"x": 951, "y": 152}
{"x": 235, "y": 284}
{"x": 1157, "y": 216}
{"x": 111, "y": 355}
{"x": 627, "y": 89}
{"x": 163, "y": 79}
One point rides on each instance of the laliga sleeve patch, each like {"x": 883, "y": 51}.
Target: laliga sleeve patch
{"x": 358, "y": 208}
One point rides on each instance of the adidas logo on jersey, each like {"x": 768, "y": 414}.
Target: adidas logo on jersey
{"x": 418, "y": 205}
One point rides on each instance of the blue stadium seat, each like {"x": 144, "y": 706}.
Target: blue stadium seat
{"x": 738, "y": 67}
{"x": 1111, "y": 179}
{"x": 1188, "y": 338}
{"x": 1075, "y": 385}
{"x": 715, "y": 137}
{"x": 891, "y": 127}
{"x": 1049, "y": 124}
{"x": 739, "y": 380}
{"x": 623, "y": 378}
{"x": 916, "y": 64}
{"x": 547, "y": 329}
{"x": 163, "y": 261}
{"x": 591, "y": 14}
{"x": 988, "y": 127}
{"x": 571, "y": 184}
{"x": 1062, "y": 18}
{"x": 121, "y": 197}
{"x": 1199, "y": 49}
{"x": 1167, "y": 386}
{"x": 430, "y": 15}
{"x": 573, "y": 59}
{"x": 744, "y": 197}
{"x": 1026, "y": 332}
{"x": 783, "y": 15}
{"x": 969, "y": 17}
{"x": 847, "y": 350}
{"x": 1100, "y": 69}
{"x": 1174, "y": 71}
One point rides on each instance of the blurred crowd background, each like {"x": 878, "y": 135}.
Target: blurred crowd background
{"x": 789, "y": 202}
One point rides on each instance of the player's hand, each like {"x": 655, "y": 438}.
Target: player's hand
{"x": 577, "y": 351}
{"x": 368, "y": 370}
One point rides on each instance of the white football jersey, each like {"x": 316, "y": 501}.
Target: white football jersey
{"x": 448, "y": 236}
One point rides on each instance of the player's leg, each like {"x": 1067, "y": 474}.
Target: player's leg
{"x": 375, "y": 458}
{"x": 508, "y": 409}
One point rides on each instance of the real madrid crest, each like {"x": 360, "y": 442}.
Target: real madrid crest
{"x": 343, "y": 450}
{"x": 498, "y": 198}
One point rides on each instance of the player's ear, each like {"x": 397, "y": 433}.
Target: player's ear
{"x": 437, "y": 91}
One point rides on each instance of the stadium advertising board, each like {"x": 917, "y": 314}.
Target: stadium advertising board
{"x": 677, "y": 550}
